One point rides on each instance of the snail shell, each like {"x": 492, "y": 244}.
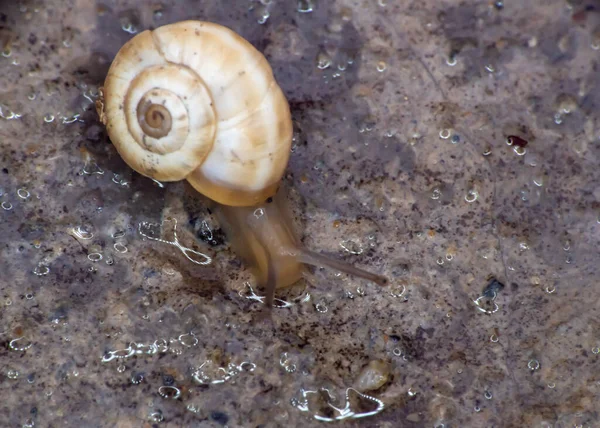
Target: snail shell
{"x": 194, "y": 100}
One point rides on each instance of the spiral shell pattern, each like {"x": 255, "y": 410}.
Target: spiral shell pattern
{"x": 194, "y": 100}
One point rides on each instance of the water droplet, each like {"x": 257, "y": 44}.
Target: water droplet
{"x": 436, "y": 194}
{"x": 118, "y": 234}
{"x": 455, "y": 139}
{"x": 471, "y": 196}
{"x": 445, "y": 134}
{"x": 188, "y": 339}
{"x": 6, "y": 206}
{"x": 488, "y": 395}
{"x": 246, "y": 366}
{"x": 145, "y": 227}
{"x": 95, "y": 257}
{"x": 411, "y": 392}
{"x": 23, "y": 193}
{"x": 156, "y": 416}
{"x": 566, "y": 104}
{"x": 49, "y": 118}
{"x": 397, "y": 352}
{"x": 83, "y": 232}
{"x": 551, "y": 385}
{"x": 321, "y": 307}
{"x": 490, "y": 68}
{"x": 91, "y": 167}
{"x": 398, "y": 290}
{"x": 558, "y": 118}
{"x": 20, "y": 344}
{"x": 41, "y": 270}
{"x": 128, "y": 27}
{"x": 353, "y": 247}
{"x": 259, "y": 212}
{"x": 519, "y": 151}
{"x": 169, "y": 392}
{"x": 486, "y": 305}
{"x": 305, "y": 6}
{"x": 262, "y": 14}
{"x": 137, "y": 378}
{"x": 595, "y": 350}
{"x": 382, "y": 3}
{"x": 440, "y": 261}
{"x": 452, "y": 59}
{"x": 494, "y": 338}
{"x": 120, "y": 248}
{"x": 323, "y": 61}
{"x": 12, "y": 374}
{"x": 550, "y": 289}
{"x": 381, "y": 66}
{"x": 533, "y": 365}
{"x": 9, "y": 114}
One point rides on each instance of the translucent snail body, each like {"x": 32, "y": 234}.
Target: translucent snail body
{"x": 193, "y": 100}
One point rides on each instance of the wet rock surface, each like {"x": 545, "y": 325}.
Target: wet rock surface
{"x": 403, "y": 111}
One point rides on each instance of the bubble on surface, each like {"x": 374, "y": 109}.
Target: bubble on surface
{"x": 7, "y": 206}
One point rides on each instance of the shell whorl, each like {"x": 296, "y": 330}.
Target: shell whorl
{"x": 194, "y": 100}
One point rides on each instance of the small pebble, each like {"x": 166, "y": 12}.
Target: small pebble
{"x": 373, "y": 376}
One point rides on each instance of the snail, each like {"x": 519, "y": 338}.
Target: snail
{"x": 194, "y": 100}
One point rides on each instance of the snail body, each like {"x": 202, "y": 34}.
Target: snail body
{"x": 194, "y": 100}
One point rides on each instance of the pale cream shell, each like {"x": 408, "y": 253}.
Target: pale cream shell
{"x": 231, "y": 127}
